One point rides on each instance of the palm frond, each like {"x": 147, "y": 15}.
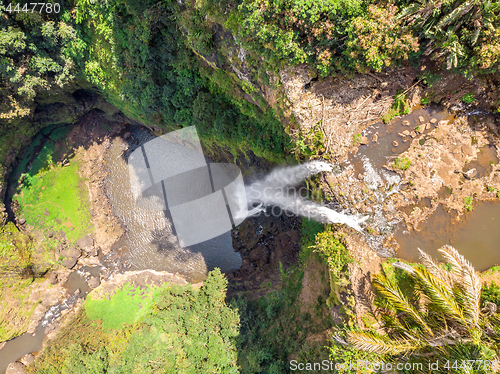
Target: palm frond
{"x": 394, "y": 296}
{"x": 375, "y": 343}
{"x": 468, "y": 280}
{"x": 433, "y": 268}
{"x": 440, "y": 295}
{"x": 472, "y": 293}
{"x": 404, "y": 266}
{"x": 475, "y": 36}
{"x": 452, "y": 256}
{"x": 456, "y": 14}
{"x": 409, "y": 10}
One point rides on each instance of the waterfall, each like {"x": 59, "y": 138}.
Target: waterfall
{"x": 279, "y": 189}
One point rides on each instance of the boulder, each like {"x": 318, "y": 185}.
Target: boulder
{"x": 94, "y": 282}
{"x": 86, "y": 243}
{"x": 70, "y": 262}
{"x": 15, "y": 368}
{"x": 71, "y": 252}
{"x": 27, "y": 359}
{"x": 471, "y": 174}
{"x": 53, "y": 278}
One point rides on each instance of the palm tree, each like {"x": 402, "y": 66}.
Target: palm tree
{"x": 450, "y": 26}
{"x": 446, "y": 319}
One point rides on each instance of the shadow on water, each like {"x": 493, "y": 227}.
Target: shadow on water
{"x": 150, "y": 242}
{"x": 476, "y": 236}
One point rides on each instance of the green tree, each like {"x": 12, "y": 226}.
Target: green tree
{"x": 445, "y": 321}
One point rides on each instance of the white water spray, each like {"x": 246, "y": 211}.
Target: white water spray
{"x": 278, "y": 189}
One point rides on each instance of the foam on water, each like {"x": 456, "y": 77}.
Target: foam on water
{"x": 278, "y": 189}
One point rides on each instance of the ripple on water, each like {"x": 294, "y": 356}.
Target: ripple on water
{"x": 151, "y": 243}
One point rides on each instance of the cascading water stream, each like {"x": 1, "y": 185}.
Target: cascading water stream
{"x": 279, "y": 189}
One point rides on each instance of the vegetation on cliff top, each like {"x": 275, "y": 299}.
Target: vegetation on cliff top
{"x": 339, "y": 37}
{"x": 182, "y": 330}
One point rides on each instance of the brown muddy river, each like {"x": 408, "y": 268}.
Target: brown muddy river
{"x": 476, "y": 236}
{"x": 150, "y": 243}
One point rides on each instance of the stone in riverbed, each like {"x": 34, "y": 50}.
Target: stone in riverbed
{"x": 71, "y": 252}
{"x": 15, "y": 368}
{"x": 470, "y": 174}
{"x": 421, "y": 119}
{"x": 363, "y": 140}
{"x": 406, "y": 123}
{"x": 375, "y": 138}
{"x": 94, "y": 282}
{"x": 70, "y": 262}
{"x": 86, "y": 243}
{"x": 53, "y": 278}
{"x": 406, "y": 133}
{"x": 395, "y": 143}
{"x": 27, "y": 359}
{"x": 433, "y": 120}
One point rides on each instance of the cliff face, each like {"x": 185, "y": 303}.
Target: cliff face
{"x": 341, "y": 107}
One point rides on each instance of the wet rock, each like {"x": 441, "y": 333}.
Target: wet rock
{"x": 53, "y": 278}
{"x": 406, "y": 123}
{"x": 413, "y": 134}
{"x": 395, "y": 143}
{"x": 86, "y": 243}
{"x": 70, "y": 262}
{"x": 375, "y": 138}
{"x": 406, "y": 133}
{"x": 433, "y": 120}
{"x": 471, "y": 174}
{"x": 443, "y": 122}
{"x": 263, "y": 242}
{"x": 363, "y": 140}
{"x": 16, "y": 368}
{"x": 27, "y": 359}
{"x": 421, "y": 119}
{"x": 94, "y": 282}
